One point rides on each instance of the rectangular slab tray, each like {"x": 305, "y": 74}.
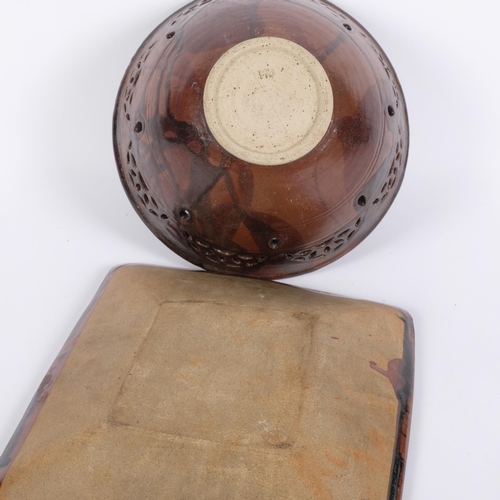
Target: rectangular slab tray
{"x": 183, "y": 385}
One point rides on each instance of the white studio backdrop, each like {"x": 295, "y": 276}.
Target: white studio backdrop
{"x": 65, "y": 220}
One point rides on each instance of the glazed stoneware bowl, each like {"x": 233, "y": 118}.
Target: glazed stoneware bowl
{"x": 261, "y": 138}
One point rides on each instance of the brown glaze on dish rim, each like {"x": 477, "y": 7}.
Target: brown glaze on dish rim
{"x": 43, "y": 391}
{"x": 178, "y": 226}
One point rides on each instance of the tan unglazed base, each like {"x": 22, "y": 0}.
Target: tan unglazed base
{"x": 268, "y": 101}
{"x": 188, "y": 385}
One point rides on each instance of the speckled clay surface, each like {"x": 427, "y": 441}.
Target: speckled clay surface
{"x": 268, "y": 101}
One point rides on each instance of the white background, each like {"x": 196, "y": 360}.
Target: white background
{"x": 65, "y": 220}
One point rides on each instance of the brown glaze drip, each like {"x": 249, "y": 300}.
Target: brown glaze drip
{"x": 404, "y": 393}
{"x": 393, "y": 373}
{"x": 400, "y": 374}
